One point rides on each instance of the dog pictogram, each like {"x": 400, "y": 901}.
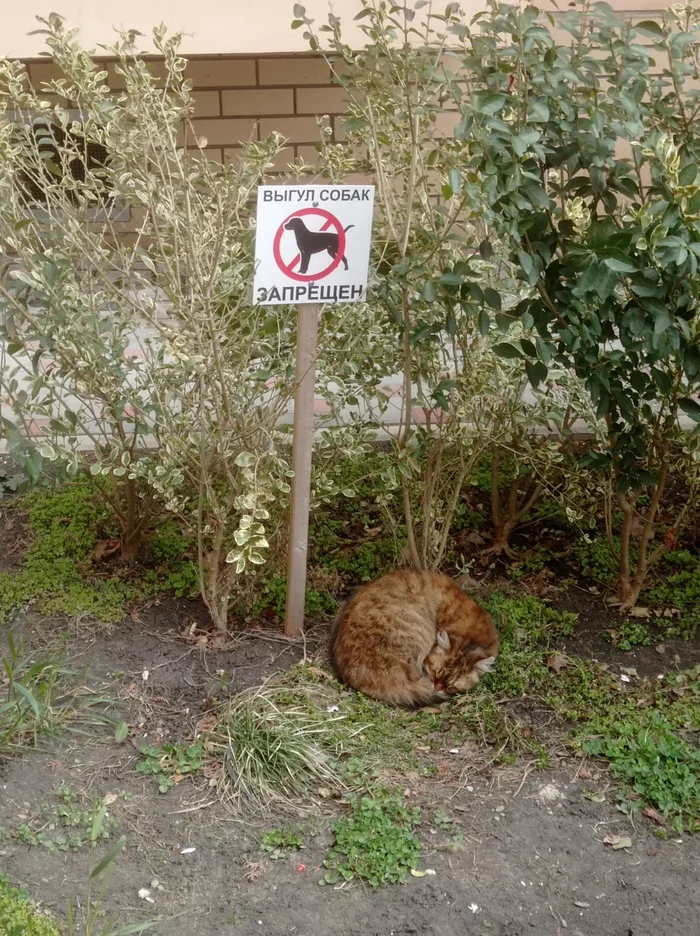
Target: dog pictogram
{"x": 311, "y": 242}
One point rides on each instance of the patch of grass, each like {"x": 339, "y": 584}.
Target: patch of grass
{"x": 376, "y": 843}
{"x": 274, "y": 741}
{"x": 655, "y": 766}
{"x": 278, "y": 842}
{"x": 41, "y": 699}
{"x": 63, "y": 825}
{"x": 58, "y": 573}
{"x": 65, "y": 526}
{"x": 529, "y": 629}
{"x": 638, "y": 727}
{"x": 276, "y": 749}
{"x": 169, "y": 763}
{"x": 372, "y": 731}
{"x": 678, "y": 586}
{"x": 363, "y": 728}
{"x": 19, "y": 916}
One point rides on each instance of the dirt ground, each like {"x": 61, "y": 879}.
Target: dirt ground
{"x": 531, "y": 859}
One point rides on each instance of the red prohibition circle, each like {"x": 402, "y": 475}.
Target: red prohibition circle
{"x": 287, "y": 268}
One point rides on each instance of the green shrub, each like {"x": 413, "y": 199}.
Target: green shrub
{"x": 19, "y": 916}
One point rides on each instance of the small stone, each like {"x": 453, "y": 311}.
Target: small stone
{"x": 549, "y": 794}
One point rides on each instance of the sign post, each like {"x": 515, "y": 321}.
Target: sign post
{"x": 305, "y": 255}
{"x": 307, "y": 331}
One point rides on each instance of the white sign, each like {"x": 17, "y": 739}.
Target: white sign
{"x": 312, "y": 243}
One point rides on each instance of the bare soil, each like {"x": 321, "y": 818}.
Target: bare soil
{"x": 531, "y": 860}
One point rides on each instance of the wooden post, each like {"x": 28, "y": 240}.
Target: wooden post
{"x": 307, "y": 331}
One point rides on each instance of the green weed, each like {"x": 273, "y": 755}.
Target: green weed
{"x": 676, "y": 584}
{"x": 466, "y": 519}
{"x": 357, "y": 776}
{"x": 19, "y": 916}
{"x": 629, "y": 634}
{"x": 376, "y": 843}
{"x": 175, "y": 571}
{"x": 643, "y": 742}
{"x": 61, "y": 826}
{"x": 57, "y": 571}
{"x": 363, "y": 562}
{"x": 655, "y": 766}
{"x": 168, "y": 762}
{"x": 356, "y": 557}
{"x": 42, "y": 699}
{"x": 528, "y": 630}
{"x": 278, "y": 842}
{"x": 530, "y": 561}
{"x": 598, "y": 560}
{"x": 349, "y": 536}
{"x": 183, "y": 581}
{"x": 168, "y": 543}
{"x": 94, "y": 921}
{"x": 444, "y": 821}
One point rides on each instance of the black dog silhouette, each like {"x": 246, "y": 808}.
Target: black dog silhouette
{"x": 313, "y": 242}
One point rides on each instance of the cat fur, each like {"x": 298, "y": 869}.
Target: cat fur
{"x": 412, "y": 638}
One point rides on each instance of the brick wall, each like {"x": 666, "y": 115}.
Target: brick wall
{"x": 240, "y": 99}
{"x": 246, "y": 98}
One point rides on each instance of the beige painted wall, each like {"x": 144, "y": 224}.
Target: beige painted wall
{"x": 214, "y": 26}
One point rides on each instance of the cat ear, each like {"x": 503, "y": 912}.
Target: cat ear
{"x": 484, "y": 666}
{"x": 443, "y": 640}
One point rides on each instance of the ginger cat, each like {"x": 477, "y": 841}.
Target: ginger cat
{"x": 412, "y": 638}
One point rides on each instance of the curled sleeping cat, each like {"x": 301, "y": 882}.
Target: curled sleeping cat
{"x": 412, "y": 638}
